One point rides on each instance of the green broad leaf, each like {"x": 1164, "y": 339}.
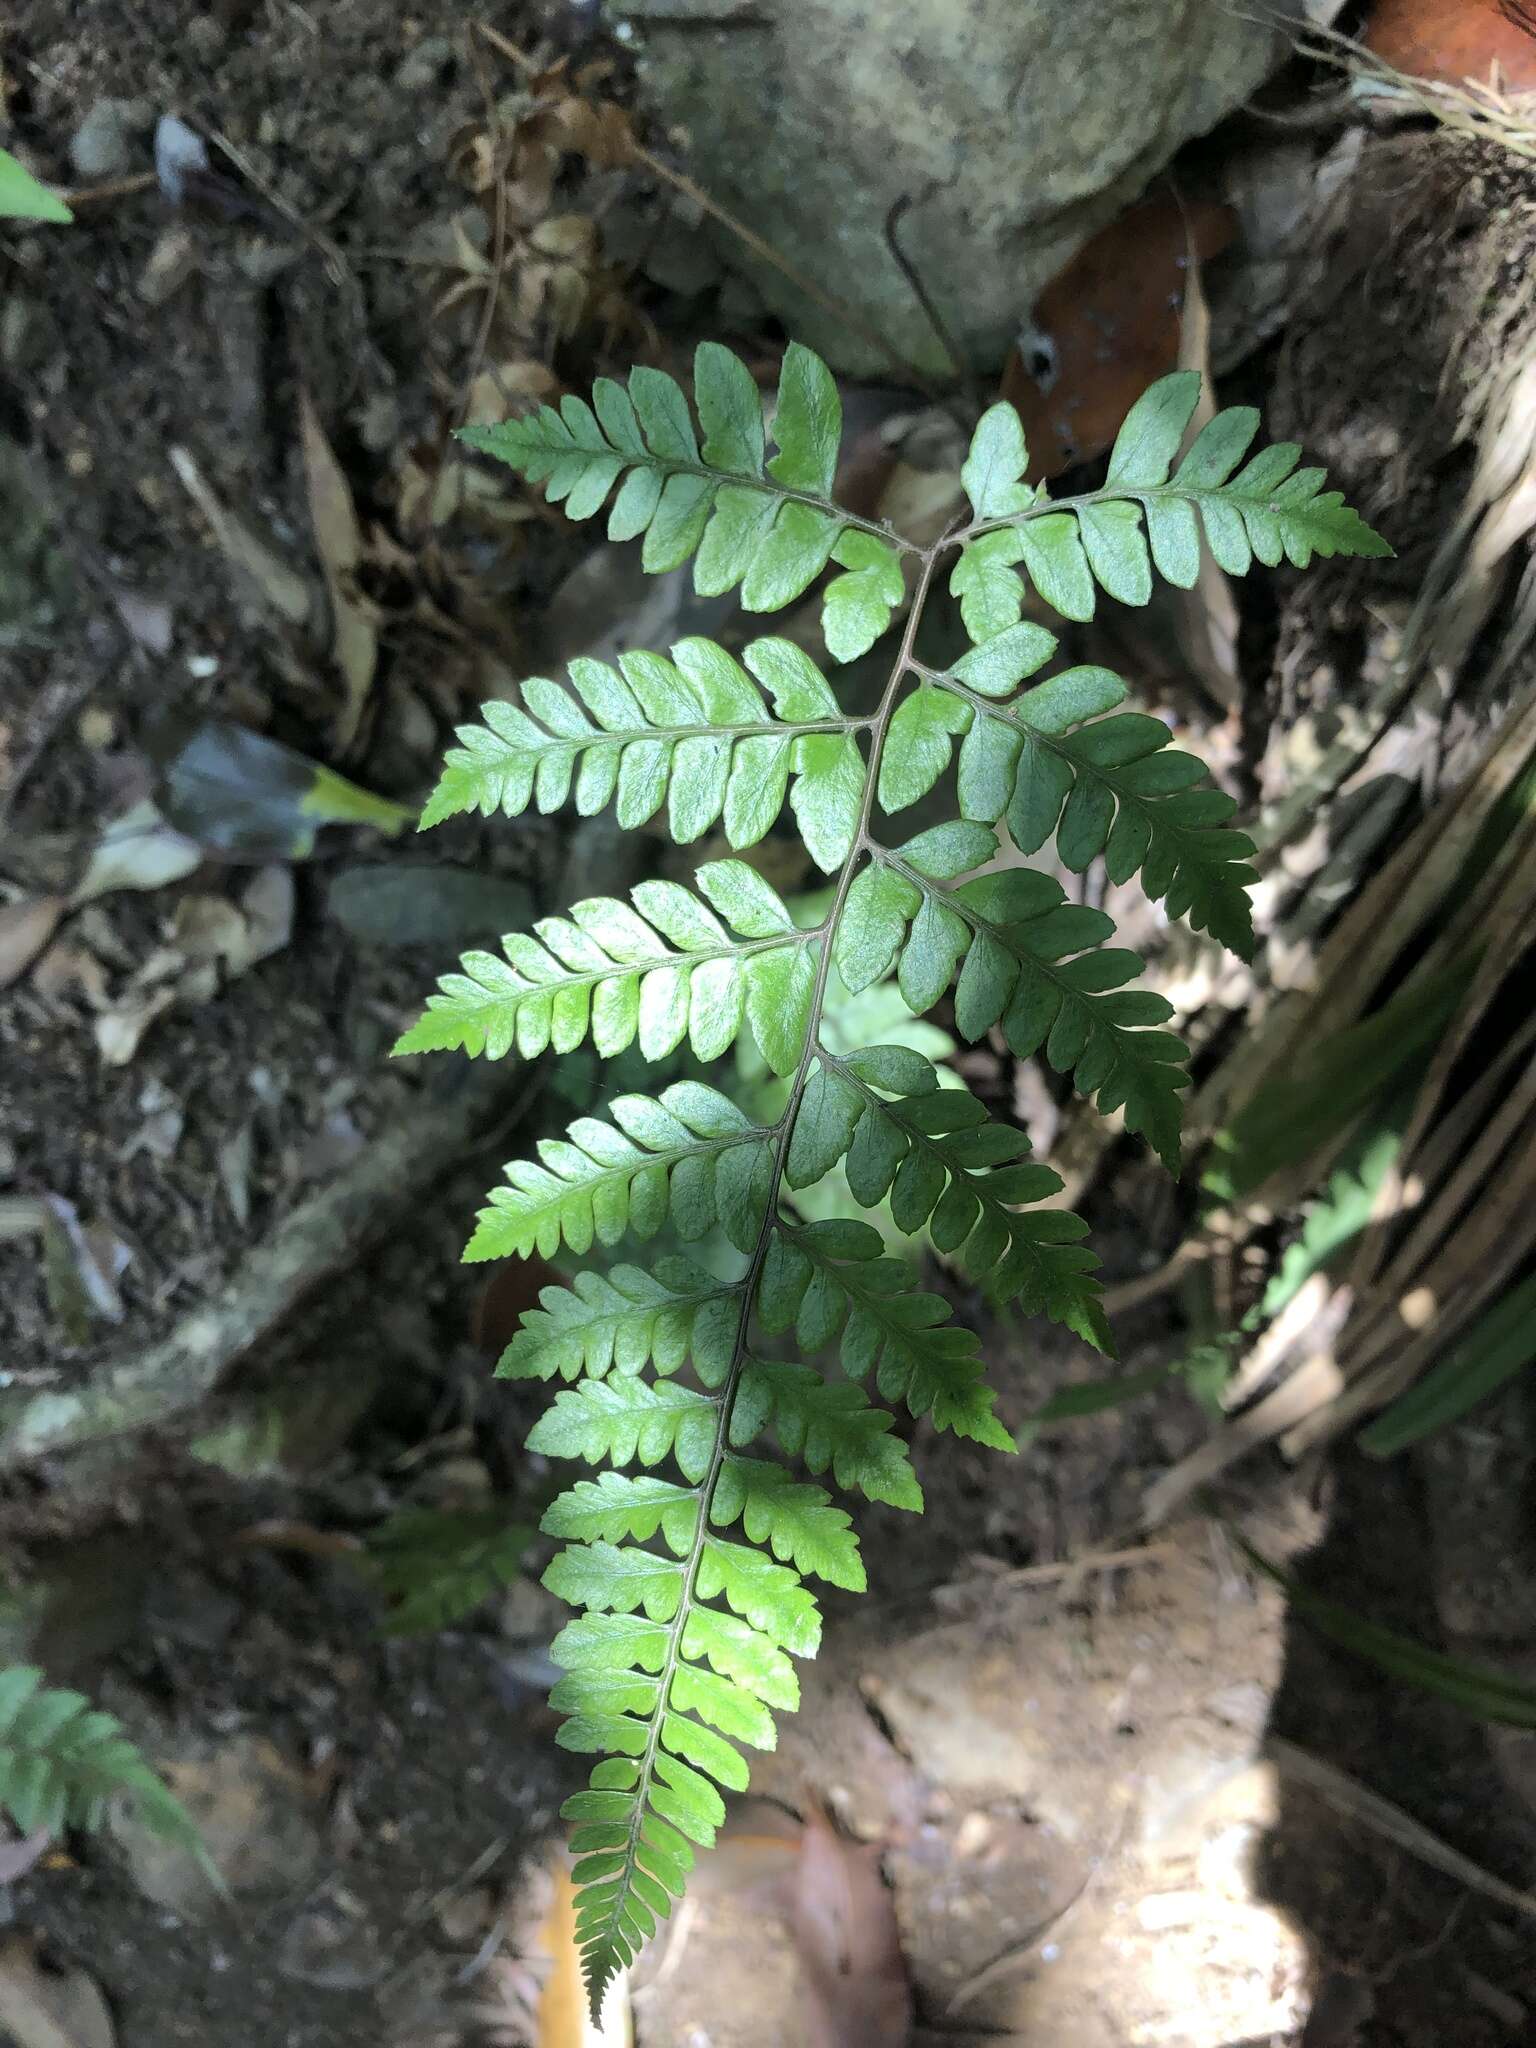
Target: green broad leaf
{"x": 987, "y": 584}
{"x": 828, "y": 798}
{"x": 743, "y": 1654}
{"x": 880, "y": 905}
{"x": 23, "y": 198}
{"x": 659, "y": 1158}
{"x": 1485, "y": 1695}
{"x": 1154, "y": 427}
{"x": 993, "y": 470}
{"x": 797, "y": 1521}
{"x": 824, "y": 1125}
{"x": 1058, "y": 568}
{"x": 807, "y": 424}
{"x": 628, "y": 1421}
{"x": 857, "y": 606}
{"x": 725, "y": 1705}
{"x": 1001, "y": 663}
{"x": 781, "y": 987}
{"x": 626, "y": 1319}
{"x": 744, "y": 899}
{"x": 730, "y": 411}
{"x": 945, "y": 851}
{"x": 918, "y": 744}
{"x": 1501, "y": 1343}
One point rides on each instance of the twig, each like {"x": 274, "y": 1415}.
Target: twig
{"x": 1392, "y": 1823}
{"x": 114, "y": 188}
{"x": 318, "y": 1239}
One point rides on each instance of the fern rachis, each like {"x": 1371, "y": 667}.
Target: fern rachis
{"x": 689, "y": 1630}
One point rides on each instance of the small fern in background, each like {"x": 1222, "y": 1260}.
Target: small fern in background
{"x": 690, "y": 1555}
{"x": 63, "y": 1761}
{"x": 433, "y": 1566}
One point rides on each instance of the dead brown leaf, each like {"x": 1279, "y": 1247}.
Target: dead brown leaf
{"x": 26, "y": 926}
{"x": 46, "y": 2009}
{"x": 257, "y": 565}
{"x": 339, "y": 540}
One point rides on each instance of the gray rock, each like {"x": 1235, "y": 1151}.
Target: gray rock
{"x": 1015, "y": 128}
{"x": 102, "y": 145}
{"x": 425, "y": 64}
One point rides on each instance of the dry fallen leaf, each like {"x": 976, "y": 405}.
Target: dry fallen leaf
{"x": 257, "y": 565}
{"x": 138, "y": 850}
{"x": 46, "y": 2009}
{"x": 1106, "y": 327}
{"x": 1452, "y": 40}
{"x": 843, "y": 1916}
{"x": 26, "y": 926}
{"x": 354, "y": 617}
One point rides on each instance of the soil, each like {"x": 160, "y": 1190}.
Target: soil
{"x": 205, "y": 1583}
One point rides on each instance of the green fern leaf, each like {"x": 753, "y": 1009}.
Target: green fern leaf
{"x": 626, "y": 1419}
{"x": 770, "y": 528}
{"x": 684, "y": 1646}
{"x": 1114, "y": 787}
{"x": 1008, "y": 936}
{"x": 666, "y": 970}
{"x": 434, "y": 1566}
{"x": 831, "y": 1277}
{"x": 668, "y": 1156}
{"x": 942, "y": 1162}
{"x": 626, "y": 1319}
{"x": 694, "y": 733}
{"x": 826, "y": 1423}
{"x": 1269, "y": 510}
{"x": 63, "y": 1761}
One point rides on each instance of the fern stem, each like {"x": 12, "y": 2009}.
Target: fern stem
{"x": 782, "y": 1132}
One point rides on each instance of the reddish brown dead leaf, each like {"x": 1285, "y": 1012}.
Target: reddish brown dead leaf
{"x": 1106, "y": 327}
{"x": 513, "y": 1288}
{"x": 1452, "y": 40}
{"x": 843, "y": 1917}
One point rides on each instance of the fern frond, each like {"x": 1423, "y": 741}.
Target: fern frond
{"x": 1268, "y": 510}
{"x": 942, "y": 1162}
{"x": 769, "y": 526}
{"x": 826, "y": 1424}
{"x": 1026, "y": 959}
{"x": 625, "y": 1320}
{"x": 1114, "y": 786}
{"x": 666, "y": 970}
{"x": 684, "y": 1646}
{"x": 832, "y": 1280}
{"x": 62, "y": 1762}
{"x": 689, "y": 1154}
{"x": 694, "y": 733}
{"x": 434, "y": 1565}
